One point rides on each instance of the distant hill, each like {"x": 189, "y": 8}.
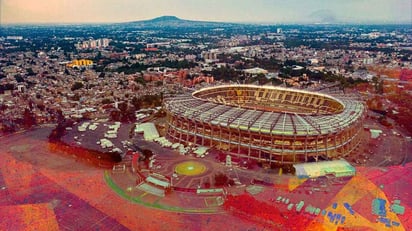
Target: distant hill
{"x": 173, "y": 21}
{"x": 165, "y": 18}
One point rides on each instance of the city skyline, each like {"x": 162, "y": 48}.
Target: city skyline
{"x": 262, "y": 11}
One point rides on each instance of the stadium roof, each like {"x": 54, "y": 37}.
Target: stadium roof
{"x": 263, "y": 121}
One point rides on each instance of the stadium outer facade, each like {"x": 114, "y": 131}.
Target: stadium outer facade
{"x": 268, "y": 124}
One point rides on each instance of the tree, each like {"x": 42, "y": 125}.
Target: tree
{"x": 107, "y": 101}
{"x": 276, "y": 81}
{"x": 122, "y": 107}
{"x": 129, "y": 116}
{"x": 140, "y": 80}
{"x": 8, "y": 126}
{"x": 18, "y": 78}
{"x": 98, "y": 56}
{"x": 59, "y": 115}
{"x": 66, "y": 72}
{"x": 115, "y": 115}
{"x": 60, "y": 130}
{"x": 224, "y": 73}
{"x": 28, "y": 118}
{"x": 221, "y": 179}
{"x": 77, "y": 85}
{"x": 136, "y": 103}
{"x": 30, "y": 71}
{"x": 379, "y": 87}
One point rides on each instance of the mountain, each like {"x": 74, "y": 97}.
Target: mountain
{"x": 173, "y": 21}
{"x": 165, "y": 18}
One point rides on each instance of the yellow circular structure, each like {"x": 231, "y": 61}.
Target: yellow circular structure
{"x": 190, "y": 168}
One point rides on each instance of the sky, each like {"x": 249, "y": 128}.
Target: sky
{"x": 258, "y": 11}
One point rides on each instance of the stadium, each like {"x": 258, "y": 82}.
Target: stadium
{"x": 268, "y": 124}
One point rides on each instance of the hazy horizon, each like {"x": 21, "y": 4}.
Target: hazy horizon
{"x": 247, "y": 11}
